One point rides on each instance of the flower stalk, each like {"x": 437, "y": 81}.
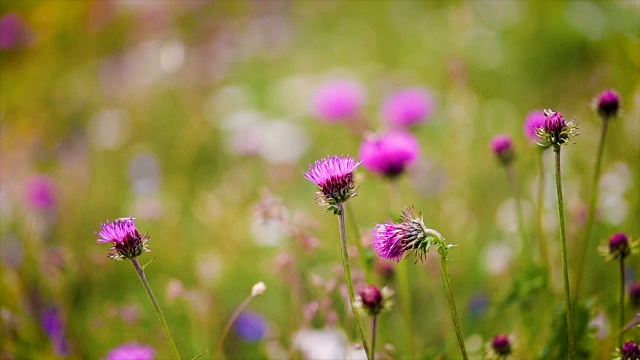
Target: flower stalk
{"x": 544, "y": 251}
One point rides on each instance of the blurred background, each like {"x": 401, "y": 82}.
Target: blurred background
{"x": 198, "y": 119}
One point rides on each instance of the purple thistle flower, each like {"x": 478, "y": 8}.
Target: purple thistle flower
{"x": 502, "y": 146}
{"x": 123, "y": 234}
{"x": 131, "y": 351}
{"x": 634, "y": 294}
{"x": 607, "y": 104}
{"x": 373, "y": 300}
{"x": 41, "y": 192}
{"x": 407, "y": 107}
{"x": 391, "y": 240}
{"x": 389, "y": 154}
{"x": 501, "y": 345}
{"x": 556, "y": 130}
{"x": 535, "y": 119}
{"x": 619, "y": 245}
{"x": 12, "y": 31}
{"x": 338, "y": 100}
{"x": 334, "y": 177}
{"x": 630, "y": 351}
{"x": 250, "y": 326}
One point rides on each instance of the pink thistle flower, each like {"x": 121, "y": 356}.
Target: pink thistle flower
{"x": 338, "y": 100}
{"x": 41, "y": 192}
{"x": 131, "y": 351}
{"x": 630, "y": 351}
{"x": 607, "y": 104}
{"x": 389, "y": 154}
{"x": 502, "y": 147}
{"x": 391, "y": 240}
{"x": 407, "y": 107}
{"x": 373, "y": 300}
{"x": 13, "y": 31}
{"x": 556, "y": 130}
{"x": 501, "y": 347}
{"x": 535, "y": 119}
{"x": 127, "y": 242}
{"x": 334, "y": 177}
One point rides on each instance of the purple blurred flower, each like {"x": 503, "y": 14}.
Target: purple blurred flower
{"x": 556, "y": 130}
{"x": 607, "y": 104}
{"x": 131, "y": 351}
{"x": 501, "y": 345}
{"x": 250, "y": 326}
{"x": 478, "y": 304}
{"x": 407, "y": 107}
{"x": 123, "y": 234}
{"x": 41, "y": 192}
{"x": 630, "y": 351}
{"x": 389, "y": 154}
{"x": 53, "y": 326}
{"x": 338, "y": 100}
{"x": 634, "y": 294}
{"x": 535, "y": 119}
{"x": 502, "y": 146}
{"x": 334, "y": 177}
{"x": 391, "y": 240}
{"x": 12, "y": 31}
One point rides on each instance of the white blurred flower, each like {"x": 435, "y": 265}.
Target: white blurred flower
{"x": 258, "y": 289}
{"x": 321, "y": 344}
{"x": 497, "y": 258}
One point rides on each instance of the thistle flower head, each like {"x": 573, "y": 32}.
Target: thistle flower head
{"x": 131, "y": 350}
{"x": 389, "y": 154}
{"x": 124, "y": 236}
{"x": 535, "y": 119}
{"x": 556, "y": 130}
{"x": 500, "y": 347}
{"x": 407, "y": 107}
{"x": 373, "y": 300}
{"x": 502, "y": 147}
{"x": 338, "y": 100}
{"x": 607, "y": 104}
{"x": 628, "y": 351}
{"x": 334, "y": 177}
{"x": 619, "y": 246}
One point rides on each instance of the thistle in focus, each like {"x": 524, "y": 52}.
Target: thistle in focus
{"x": 334, "y": 177}
{"x": 555, "y": 131}
{"x": 619, "y": 246}
{"x": 127, "y": 241}
{"x": 607, "y": 104}
{"x": 392, "y": 240}
{"x": 374, "y": 300}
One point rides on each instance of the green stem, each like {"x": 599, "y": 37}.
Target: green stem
{"x": 511, "y": 175}
{"x": 374, "y": 327}
{"x": 621, "y": 301}
{"x": 544, "y": 251}
{"x": 563, "y": 245}
{"x": 366, "y": 264}
{"x": 347, "y": 273}
{"x": 591, "y": 214}
{"x": 156, "y": 308}
{"x": 229, "y": 323}
{"x": 446, "y": 277}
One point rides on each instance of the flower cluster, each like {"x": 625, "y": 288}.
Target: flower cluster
{"x": 127, "y": 241}
{"x": 373, "y": 300}
{"x": 556, "y": 130}
{"x": 334, "y": 177}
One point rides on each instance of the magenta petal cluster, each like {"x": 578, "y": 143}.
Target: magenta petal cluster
{"x": 407, "y": 107}
{"x": 334, "y": 177}
{"x": 555, "y": 131}
{"x": 131, "y": 351}
{"x": 608, "y": 104}
{"x": 127, "y": 241}
{"x": 535, "y": 119}
{"x": 501, "y": 345}
{"x": 13, "y": 31}
{"x": 392, "y": 240}
{"x": 338, "y": 100}
{"x": 41, "y": 192}
{"x": 502, "y": 147}
{"x": 389, "y": 154}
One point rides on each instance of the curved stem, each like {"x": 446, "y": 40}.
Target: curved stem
{"x": 544, "y": 251}
{"x": 374, "y": 326}
{"x": 591, "y": 214}
{"x": 563, "y": 245}
{"x": 229, "y": 323}
{"x": 511, "y": 175}
{"x": 347, "y": 274}
{"x": 156, "y": 308}
{"x": 366, "y": 264}
{"x": 446, "y": 277}
{"x": 621, "y": 302}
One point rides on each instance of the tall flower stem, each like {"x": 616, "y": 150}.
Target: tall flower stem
{"x": 156, "y": 308}
{"x": 229, "y": 323}
{"x": 374, "y": 327}
{"x": 511, "y": 176}
{"x": 446, "y": 277}
{"x": 366, "y": 264}
{"x": 563, "y": 246}
{"x": 621, "y": 302}
{"x": 347, "y": 273}
{"x": 542, "y": 237}
{"x": 591, "y": 214}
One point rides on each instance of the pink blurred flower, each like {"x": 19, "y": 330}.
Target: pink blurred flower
{"x": 41, "y": 192}
{"x": 389, "y": 154}
{"x": 407, "y": 107}
{"x": 131, "y": 351}
{"x": 535, "y": 119}
{"x": 502, "y": 147}
{"x": 338, "y": 100}
{"x": 607, "y": 104}
{"x": 12, "y": 31}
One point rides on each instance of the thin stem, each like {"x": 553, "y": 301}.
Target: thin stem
{"x": 374, "y": 327}
{"x": 544, "y": 251}
{"x": 511, "y": 175}
{"x": 446, "y": 278}
{"x": 621, "y": 301}
{"x": 366, "y": 264}
{"x": 563, "y": 245}
{"x": 347, "y": 273}
{"x": 156, "y": 308}
{"x": 592, "y": 207}
{"x": 229, "y": 323}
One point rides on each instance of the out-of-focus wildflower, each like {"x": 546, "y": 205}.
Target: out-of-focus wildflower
{"x": 389, "y": 154}
{"x": 502, "y": 147}
{"x": 407, "y": 107}
{"x": 629, "y": 351}
{"x": 599, "y": 325}
{"x": 321, "y": 343}
{"x": 334, "y": 177}
{"x": 125, "y": 237}
{"x": 53, "y": 326}
{"x": 250, "y": 326}
{"x": 556, "y": 130}
{"x": 41, "y": 192}
{"x": 131, "y": 351}
{"x": 385, "y": 268}
{"x": 500, "y": 347}
{"x": 258, "y": 289}
{"x": 535, "y": 119}
{"x": 607, "y": 104}
{"x": 478, "y": 304}
{"x": 619, "y": 246}
{"x": 13, "y": 31}
{"x": 338, "y": 100}
{"x": 373, "y": 300}
{"x": 634, "y": 294}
